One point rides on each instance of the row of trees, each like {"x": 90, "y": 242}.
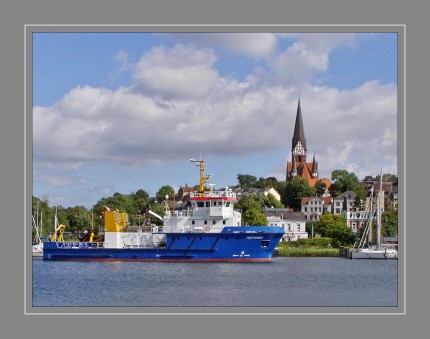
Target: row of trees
{"x": 78, "y": 219}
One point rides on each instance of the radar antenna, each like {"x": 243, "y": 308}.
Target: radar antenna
{"x": 203, "y": 178}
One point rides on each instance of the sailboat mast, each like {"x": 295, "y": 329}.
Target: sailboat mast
{"x": 378, "y": 211}
{"x": 369, "y": 240}
{"x": 37, "y": 214}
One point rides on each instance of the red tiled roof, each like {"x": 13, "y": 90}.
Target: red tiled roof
{"x": 305, "y": 172}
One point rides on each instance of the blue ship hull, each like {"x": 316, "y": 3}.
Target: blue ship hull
{"x": 233, "y": 244}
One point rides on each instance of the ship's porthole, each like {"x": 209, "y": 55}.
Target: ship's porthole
{"x": 265, "y": 243}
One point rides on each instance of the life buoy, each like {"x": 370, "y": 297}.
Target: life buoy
{"x": 208, "y": 229}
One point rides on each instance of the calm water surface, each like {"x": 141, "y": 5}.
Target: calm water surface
{"x": 284, "y": 282}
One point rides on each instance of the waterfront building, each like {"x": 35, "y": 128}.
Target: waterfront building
{"x": 293, "y": 223}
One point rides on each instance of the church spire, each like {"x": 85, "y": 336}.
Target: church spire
{"x": 314, "y": 168}
{"x": 299, "y": 132}
{"x": 299, "y": 140}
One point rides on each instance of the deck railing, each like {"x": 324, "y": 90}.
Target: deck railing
{"x": 214, "y": 194}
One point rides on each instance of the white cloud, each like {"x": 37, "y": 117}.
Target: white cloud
{"x": 307, "y": 56}
{"x": 256, "y": 45}
{"x": 179, "y": 72}
{"x": 180, "y": 105}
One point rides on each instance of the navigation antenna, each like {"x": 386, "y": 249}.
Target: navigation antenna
{"x": 203, "y": 178}
{"x": 212, "y": 186}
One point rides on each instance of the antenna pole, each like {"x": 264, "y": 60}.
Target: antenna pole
{"x": 203, "y": 178}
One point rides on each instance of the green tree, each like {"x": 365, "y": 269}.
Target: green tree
{"x": 295, "y": 190}
{"x": 78, "y": 219}
{"x": 358, "y": 203}
{"x": 271, "y": 201}
{"x": 334, "y": 226}
{"x": 267, "y": 182}
{"x": 254, "y": 217}
{"x": 163, "y": 191}
{"x": 247, "y": 180}
{"x": 389, "y": 223}
{"x": 121, "y": 202}
{"x": 141, "y": 199}
{"x": 320, "y": 188}
{"x": 344, "y": 181}
{"x": 43, "y": 215}
{"x": 251, "y": 208}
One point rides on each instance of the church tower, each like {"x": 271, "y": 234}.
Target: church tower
{"x": 298, "y": 166}
{"x": 299, "y": 141}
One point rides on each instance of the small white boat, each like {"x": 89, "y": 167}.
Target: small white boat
{"x": 37, "y": 250}
{"x": 373, "y": 253}
{"x": 37, "y": 247}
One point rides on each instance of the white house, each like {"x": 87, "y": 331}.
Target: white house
{"x": 314, "y": 207}
{"x": 292, "y": 222}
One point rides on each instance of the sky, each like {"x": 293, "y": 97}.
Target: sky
{"x": 119, "y": 112}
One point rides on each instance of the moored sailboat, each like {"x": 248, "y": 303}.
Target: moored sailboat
{"x": 363, "y": 250}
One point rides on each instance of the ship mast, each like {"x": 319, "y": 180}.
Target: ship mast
{"x": 203, "y": 178}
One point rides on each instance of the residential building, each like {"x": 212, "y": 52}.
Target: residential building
{"x": 184, "y": 191}
{"x": 356, "y": 219}
{"x": 293, "y": 223}
{"x": 389, "y": 195}
{"x": 314, "y": 207}
{"x": 394, "y": 195}
{"x": 344, "y": 202}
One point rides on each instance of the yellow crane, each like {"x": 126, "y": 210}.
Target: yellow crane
{"x": 58, "y": 233}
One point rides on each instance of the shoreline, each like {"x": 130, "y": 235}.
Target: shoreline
{"x": 306, "y": 252}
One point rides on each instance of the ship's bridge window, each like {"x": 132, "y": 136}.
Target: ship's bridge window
{"x": 227, "y": 203}
{"x": 207, "y": 203}
{"x": 200, "y": 204}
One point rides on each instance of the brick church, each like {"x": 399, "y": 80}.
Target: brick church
{"x": 299, "y": 166}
